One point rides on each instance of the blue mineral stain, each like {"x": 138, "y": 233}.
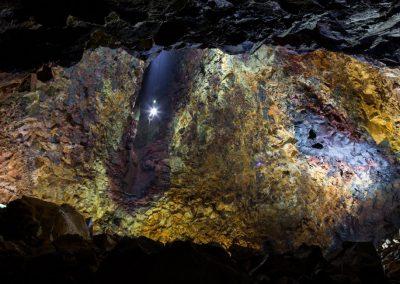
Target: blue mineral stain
{"x": 345, "y": 155}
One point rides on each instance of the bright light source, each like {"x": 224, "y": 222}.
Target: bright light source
{"x": 153, "y": 112}
{"x": 2, "y": 206}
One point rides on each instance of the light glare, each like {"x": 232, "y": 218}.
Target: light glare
{"x": 153, "y": 112}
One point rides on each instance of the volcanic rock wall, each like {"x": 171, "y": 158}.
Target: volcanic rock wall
{"x": 59, "y": 137}
{"x": 270, "y": 148}
{"x": 239, "y": 171}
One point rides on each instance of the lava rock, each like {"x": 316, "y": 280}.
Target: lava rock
{"x": 73, "y": 259}
{"x": 33, "y": 220}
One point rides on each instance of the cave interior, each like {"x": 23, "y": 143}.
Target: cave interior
{"x": 200, "y": 141}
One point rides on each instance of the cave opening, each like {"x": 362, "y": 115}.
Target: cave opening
{"x": 147, "y": 171}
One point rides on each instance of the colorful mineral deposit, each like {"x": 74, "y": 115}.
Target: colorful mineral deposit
{"x": 269, "y": 126}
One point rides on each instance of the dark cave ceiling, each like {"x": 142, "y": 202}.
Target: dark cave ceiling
{"x": 42, "y": 31}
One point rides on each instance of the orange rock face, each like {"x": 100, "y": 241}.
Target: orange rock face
{"x": 265, "y": 147}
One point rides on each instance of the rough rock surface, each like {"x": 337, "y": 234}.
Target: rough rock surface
{"x": 269, "y": 147}
{"x": 294, "y": 148}
{"x": 60, "y": 139}
{"x": 36, "y": 32}
{"x": 69, "y": 258}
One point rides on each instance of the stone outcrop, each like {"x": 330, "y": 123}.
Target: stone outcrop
{"x": 389, "y": 252}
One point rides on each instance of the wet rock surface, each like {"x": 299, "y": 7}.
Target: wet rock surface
{"x": 42, "y": 31}
{"x": 70, "y": 258}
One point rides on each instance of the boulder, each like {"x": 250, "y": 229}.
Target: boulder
{"x": 36, "y": 221}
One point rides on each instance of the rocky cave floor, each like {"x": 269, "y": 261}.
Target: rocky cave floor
{"x": 41, "y": 242}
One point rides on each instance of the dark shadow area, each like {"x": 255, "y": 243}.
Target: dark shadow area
{"x": 35, "y": 32}
{"x": 52, "y": 246}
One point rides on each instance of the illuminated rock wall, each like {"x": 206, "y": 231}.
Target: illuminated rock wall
{"x": 265, "y": 147}
{"x": 243, "y": 165}
{"x": 59, "y": 137}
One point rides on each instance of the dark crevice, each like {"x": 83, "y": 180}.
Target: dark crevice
{"x": 147, "y": 171}
{"x": 317, "y": 146}
{"x": 312, "y": 134}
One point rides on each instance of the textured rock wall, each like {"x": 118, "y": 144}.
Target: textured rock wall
{"x": 60, "y": 137}
{"x": 239, "y": 171}
{"x": 270, "y": 148}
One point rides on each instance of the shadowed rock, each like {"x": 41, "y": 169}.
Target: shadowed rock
{"x": 72, "y": 259}
{"x": 33, "y": 220}
{"x": 36, "y": 32}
